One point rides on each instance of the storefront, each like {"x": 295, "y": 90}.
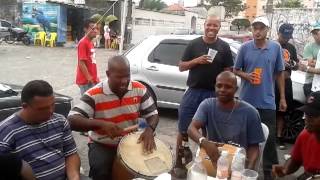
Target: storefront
{"x": 64, "y": 19}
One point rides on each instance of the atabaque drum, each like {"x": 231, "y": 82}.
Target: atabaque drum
{"x": 132, "y": 162}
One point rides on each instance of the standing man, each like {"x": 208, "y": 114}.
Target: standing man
{"x": 107, "y": 109}
{"x": 259, "y": 63}
{"x": 203, "y": 71}
{"x": 290, "y": 60}
{"x": 310, "y": 53}
{"x": 87, "y": 68}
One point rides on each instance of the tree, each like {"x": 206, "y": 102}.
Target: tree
{"x": 289, "y": 4}
{"x": 233, "y": 7}
{"x": 152, "y": 4}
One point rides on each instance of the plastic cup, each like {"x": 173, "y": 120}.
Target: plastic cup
{"x": 212, "y": 53}
{"x": 258, "y": 71}
{"x": 249, "y": 174}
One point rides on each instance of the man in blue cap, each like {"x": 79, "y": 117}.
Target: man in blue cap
{"x": 290, "y": 58}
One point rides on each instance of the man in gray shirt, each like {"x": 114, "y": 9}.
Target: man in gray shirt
{"x": 227, "y": 119}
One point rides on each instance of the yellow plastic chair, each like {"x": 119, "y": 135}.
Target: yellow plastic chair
{"x": 40, "y": 37}
{"x": 52, "y": 40}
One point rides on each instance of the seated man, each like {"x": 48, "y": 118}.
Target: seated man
{"x": 107, "y": 109}
{"x": 306, "y": 149}
{"x": 227, "y": 119}
{"x": 39, "y": 136}
{"x": 13, "y": 168}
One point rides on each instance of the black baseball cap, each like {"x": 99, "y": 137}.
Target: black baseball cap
{"x": 286, "y": 30}
{"x": 312, "y": 106}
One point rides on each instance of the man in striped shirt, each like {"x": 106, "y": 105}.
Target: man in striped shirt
{"x": 107, "y": 109}
{"x": 40, "y": 137}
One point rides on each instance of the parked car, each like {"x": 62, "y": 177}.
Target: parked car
{"x": 154, "y": 62}
{"x": 5, "y": 26}
{"x": 10, "y": 101}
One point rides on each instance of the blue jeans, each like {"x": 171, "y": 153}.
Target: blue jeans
{"x": 85, "y": 87}
{"x": 189, "y": 105}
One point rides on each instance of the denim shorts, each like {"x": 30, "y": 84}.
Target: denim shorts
{"x": 85, "y": 87}
{"x": 189, "y": 105}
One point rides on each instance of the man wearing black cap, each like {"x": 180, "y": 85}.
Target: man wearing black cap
{"x": 306, "y": 149}
{"x": 290, "y": 60}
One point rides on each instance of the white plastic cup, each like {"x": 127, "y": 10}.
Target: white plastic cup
{"x": 212, "y": 53}
{"x": 249, "y": 174}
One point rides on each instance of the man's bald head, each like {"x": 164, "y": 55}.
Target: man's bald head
{"x": 116, "y": 63}
{"x": 227, "y": 75}
{"x": 213, "y": 17}
{"x": 118, "y": 74}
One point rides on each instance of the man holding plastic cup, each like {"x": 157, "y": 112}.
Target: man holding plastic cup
{"x": 260, "y": 63}
{"x": 205, "y": 57}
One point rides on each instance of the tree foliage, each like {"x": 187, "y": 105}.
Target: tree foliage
{"x": 152, "y": 4}
{"x": 233, "y": 7}
{"x": 289, "y": 4}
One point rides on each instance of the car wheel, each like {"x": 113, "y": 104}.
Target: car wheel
{"x": 294, "y": 124}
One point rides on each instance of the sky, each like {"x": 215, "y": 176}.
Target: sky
{"x": 187, "y": 3}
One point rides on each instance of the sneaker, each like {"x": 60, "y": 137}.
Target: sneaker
{"x": 281, "y": 144}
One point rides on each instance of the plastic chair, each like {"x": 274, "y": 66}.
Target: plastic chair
{"x": 265, "y": 130}
{"x": 40, "y": 37}
{"x": 52, "y": 40}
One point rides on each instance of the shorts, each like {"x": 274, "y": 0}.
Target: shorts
{"x": 106, "y": 36}
{"x": 288, "y": 94}
{"x": 189, "y": 105}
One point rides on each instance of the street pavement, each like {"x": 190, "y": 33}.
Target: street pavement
{"x": 20, "y": 64}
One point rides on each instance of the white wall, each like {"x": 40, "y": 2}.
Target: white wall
{"x": 146, "y": 23}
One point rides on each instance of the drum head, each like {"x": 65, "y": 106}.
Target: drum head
{"x": 154, "y": 164}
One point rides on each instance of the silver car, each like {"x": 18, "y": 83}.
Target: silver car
{"x": 154, "y": 62}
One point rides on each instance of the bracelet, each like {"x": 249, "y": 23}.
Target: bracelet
{"x": 308, "y": 67}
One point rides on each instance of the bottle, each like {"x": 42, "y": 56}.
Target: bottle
{"x": 237, "y": 166}
{"x": 187, "y": 151}
{"x": 180, "y": 170}
{"x": 197, "y": 170}
{"x": 223, "y": 166}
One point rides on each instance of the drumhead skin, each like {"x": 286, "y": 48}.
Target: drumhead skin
{"x": 151, "y": 165}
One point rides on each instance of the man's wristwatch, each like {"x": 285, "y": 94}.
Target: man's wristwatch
{"x": 201, "y": 140}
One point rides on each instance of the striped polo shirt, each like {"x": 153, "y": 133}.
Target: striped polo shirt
{"x": 44, "y": 146}
{"x": 101, "y": 103}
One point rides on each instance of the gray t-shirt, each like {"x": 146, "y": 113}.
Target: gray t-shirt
{"x": 242, "y": 126}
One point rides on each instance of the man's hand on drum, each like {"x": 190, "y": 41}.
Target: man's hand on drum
{"x": 147, "y": 139}
{"x": 110, "y": 129}
{"x": 211, "y": 150}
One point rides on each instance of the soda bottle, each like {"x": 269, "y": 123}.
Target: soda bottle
{"x": 223, "y": 166}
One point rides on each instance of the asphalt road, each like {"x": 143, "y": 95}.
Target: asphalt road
{"x": 20, "y": 64}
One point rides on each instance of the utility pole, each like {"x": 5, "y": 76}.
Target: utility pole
{"x": 123, "y": 24}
